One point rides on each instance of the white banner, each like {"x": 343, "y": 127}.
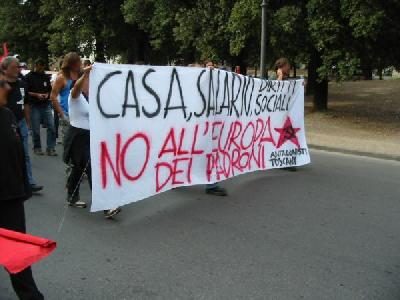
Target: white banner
{"x": 156, "y": 128}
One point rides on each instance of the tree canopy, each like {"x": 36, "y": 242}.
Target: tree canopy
{"x": 334, "y": 38}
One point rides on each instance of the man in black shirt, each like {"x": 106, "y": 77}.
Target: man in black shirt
{"x": 39, "y": 87}
{"x": 14, "y": 189}
{"x": 16, "y": 103}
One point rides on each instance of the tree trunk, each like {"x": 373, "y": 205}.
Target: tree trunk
{"x": 321, "y": 95}
{"x": 141, "y": 47}
{"x": 312, "y": 73}
{"x": 44, "y": 53}
{"x": 98, "y": 11}
{"x": 100, "y": 56}
{"x": 380, "y": 72}
{"x": 138, "y": 50}
{"x": 130, "y": 55}
{"x": 294, "y": 70}
{"x": 367, "y": 72}
{"x": 320, "y": 86}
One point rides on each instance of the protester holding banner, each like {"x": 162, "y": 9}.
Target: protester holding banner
{"x": 214, "y": 188}
{"x": 70, "y": 70}
{"x": 282, "y": 69}
{"x": 14, "y": 188}
{"x": 77, "y": 142}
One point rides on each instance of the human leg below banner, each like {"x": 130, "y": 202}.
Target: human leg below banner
{"x": 80, "y": 158}
{"x": 215, "y": 190}
{"x": 35, "y": 122}
{"x": 51, "y": 131}
{"x": 23, "y": 127}
{"x": 80, "y": 164}
{"x": 12, "y": 217}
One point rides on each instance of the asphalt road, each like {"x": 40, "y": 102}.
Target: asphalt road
{"x": 329, "y": 231}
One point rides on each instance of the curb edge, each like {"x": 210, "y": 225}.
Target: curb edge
{"x": 355, "y": 152}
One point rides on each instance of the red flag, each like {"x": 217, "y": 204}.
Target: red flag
{"x": 5, "y": 52}
{"x": 19, "y": 251}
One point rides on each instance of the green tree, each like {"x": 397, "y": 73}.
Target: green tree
{"x": 90, "y": 26}
{"x": 188, "y": 30}
{"x": 375, "y": 26}
{"x": 245, "y": 31}
{"x": 24, "y": 29}
{"x": 289, "y": 34}
{"x": 156, "y": 19}
{"x": 348, "y": 36}
{"x": 335, "y": 38}
{"x": 204, "y": 28}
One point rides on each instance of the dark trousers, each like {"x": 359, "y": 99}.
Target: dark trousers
{"x": 43, "y": 114}
{"x": 56, "y": 122}
{"x": 80, "y": 160}
{"x": 12, "y": 217}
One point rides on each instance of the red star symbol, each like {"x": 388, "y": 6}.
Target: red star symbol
{"x": 288, "y": 133}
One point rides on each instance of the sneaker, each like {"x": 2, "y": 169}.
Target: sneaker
{"x": 74, "y": 201}
{"x": 217, "y": 191}
{"x": 51, "y": 152}
{"x": 109, "y": 214}
{"x": 36, "y": 188}
{"x": 38, "y": 152}
{"x": 77, "y": 204}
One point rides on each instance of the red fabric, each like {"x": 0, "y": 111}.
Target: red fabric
{"x": 19, "y": 251}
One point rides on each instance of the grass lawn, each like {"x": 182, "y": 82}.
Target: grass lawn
{"x": 363, "y": 116}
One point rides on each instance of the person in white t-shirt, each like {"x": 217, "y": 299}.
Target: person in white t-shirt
{"x": 77, "y": 142}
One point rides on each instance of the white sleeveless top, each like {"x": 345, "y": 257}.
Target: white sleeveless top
{"x": 79, "y": 112}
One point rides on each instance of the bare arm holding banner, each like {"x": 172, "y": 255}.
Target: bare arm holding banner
{"x": 79, "y": 85}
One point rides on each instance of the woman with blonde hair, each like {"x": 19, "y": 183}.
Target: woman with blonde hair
{"x": 70, "y": 71}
